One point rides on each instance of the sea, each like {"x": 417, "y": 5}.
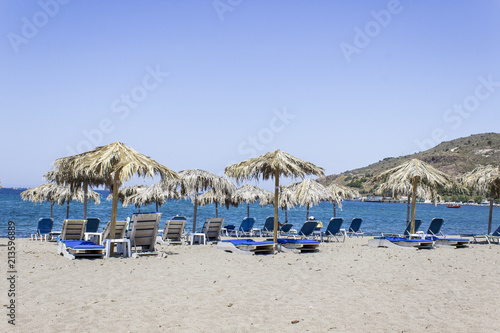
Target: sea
{"x": 377, "y": 217}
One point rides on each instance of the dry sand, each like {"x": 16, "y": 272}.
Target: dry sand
{"x": 347, "y": 287}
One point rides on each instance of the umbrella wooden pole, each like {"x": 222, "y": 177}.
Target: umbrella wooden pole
{"x": 114, "y": 209}
{"x": 195, "y": 203}
{"x": 85, "y": 199}
{"x": 334, "y": 210}
{"x": 407, "y": 210}
{"x": 157, "y": 206}
{"x": 307, "y": 214}
{"x": 490, "y": 216}
{"x": 51, "y": 209}
{"x": 216, "y": 211}
{"x": 248, "y": 209}
{"x": 413, "y": 205}
{"x": 276, "y": 188}
{"x": 286, "y": 215}
{"x": 67, "y": 209}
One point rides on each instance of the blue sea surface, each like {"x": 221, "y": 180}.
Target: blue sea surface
{"x": 377, "y": 217}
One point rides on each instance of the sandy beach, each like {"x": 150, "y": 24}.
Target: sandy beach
{"x": 346, "y": 287}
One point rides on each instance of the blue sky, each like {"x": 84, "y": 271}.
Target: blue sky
{"x": 202, "y": 84}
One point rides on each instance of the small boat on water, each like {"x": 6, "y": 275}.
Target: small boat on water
{"x": 453, "y": 206}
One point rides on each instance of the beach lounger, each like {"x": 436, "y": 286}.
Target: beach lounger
{"x": 435, "y": 227}
{"x": 92, "y": 224}
{"x": 245, "y": 228}
{"x": 355, "y": 227}
{"x": 297, "y": 245}
{"x": 143, "y": 233}
{"x": 401, "y": 242}
{"x": 177, "y": 217}
{"x": 172, "y": 233}
{"x": 70, "y": 242}
{"x": 306, "y": 230}
{"x": 407, "y": 231}
{"x": 43, "y": 229}
{"x": 495, "y": 235}
{"x": 285, "y": 229}
{"x": 212, "y": 229}
{"x": 268, "y": 227}
{"x": 246, "y": 246}
{"x": 333, "y": 230}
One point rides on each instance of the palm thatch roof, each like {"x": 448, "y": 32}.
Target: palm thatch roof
{"x": 485, "y": 180}
{"x": 265, "y": 167}
{"x": 273, "y": 165}
{"x": 288, "y": 197}
{"x": 102, "y": 164}
{"x": 156, "y": 193}
{"x": 250, "y": 193}
{"x": 194, "y": 181}
{"x": 309, "y": 193}
{"x": 126, "y": 192}
{"x": 59, "y": 194}
{"x": 414, "y": 173}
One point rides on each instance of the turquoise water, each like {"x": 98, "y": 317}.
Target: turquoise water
{"x": 377, "y": 217}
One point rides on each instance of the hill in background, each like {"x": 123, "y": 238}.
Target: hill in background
{"x": 454, "y": 157}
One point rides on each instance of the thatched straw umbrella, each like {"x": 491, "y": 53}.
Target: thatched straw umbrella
{"x": 216, "y": 198}
{"x": 111, "y": 165}
{"x": 60, "y": 175}
{"x": 339, "y": 193}
{"x": 156, "y": 193}
{"x": 485, "y": 180}
{"x": 59, "y": 194}
{"x": 195, "y": 180}
{"x": 309, "y": 193}
{"x": 414, "y": 172}
{"x": 273, "y": 165}
{"x": 249, "y": 194}
{"x": 127, "y": 192}
{"x": 287, "y": 198}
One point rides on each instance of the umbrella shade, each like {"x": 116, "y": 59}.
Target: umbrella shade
{"x": 156, "y": 193}
{"x": 126, "y": 192}
{"x": 287, "y": 198}
{"x": 110, "y": 165}
{"x": 339, "y": 193}
{"x": 194, "y": 181}
{"x": 212, "y": 197}
{"x": 249, "y": 194}
{"x": 417, "y": 173}
{"x": 309, "y": 193}
{"x": 59, "y": 194}
{"x": 273, "y": 165}
{"x": 485, "y": 180}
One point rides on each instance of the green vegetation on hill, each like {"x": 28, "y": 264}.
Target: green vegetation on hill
{"x": 454, "y": 157}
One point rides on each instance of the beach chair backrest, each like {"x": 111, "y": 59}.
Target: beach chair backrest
{"x": 408, "y": 227}
{"x": 334, "y": 226}
{"x": 120, "y": 229}
{"x": 92, "y": 224}
{"x": 45, "y": 226}
{"x": 496, "y": 232}
{"x": 212, "y": 228}
{"x": 308, "y": 228}
{"x": 286, "y": 227}
{"x": 247, "y": 224}
{"x": 435, "y": 226}
{"x": 269, "y": 224}
{"x": 144, "y": 230}
{"x": 177, "y": 217}
{"x": 173, "y": 230}
{"x": 73, "y": 229}
{"x": 355, "y": 224}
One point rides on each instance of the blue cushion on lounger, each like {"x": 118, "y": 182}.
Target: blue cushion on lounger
{"x": 237, "y": 242}
{"x": 82, "y": 245}
{"x": 296, "y": 241}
